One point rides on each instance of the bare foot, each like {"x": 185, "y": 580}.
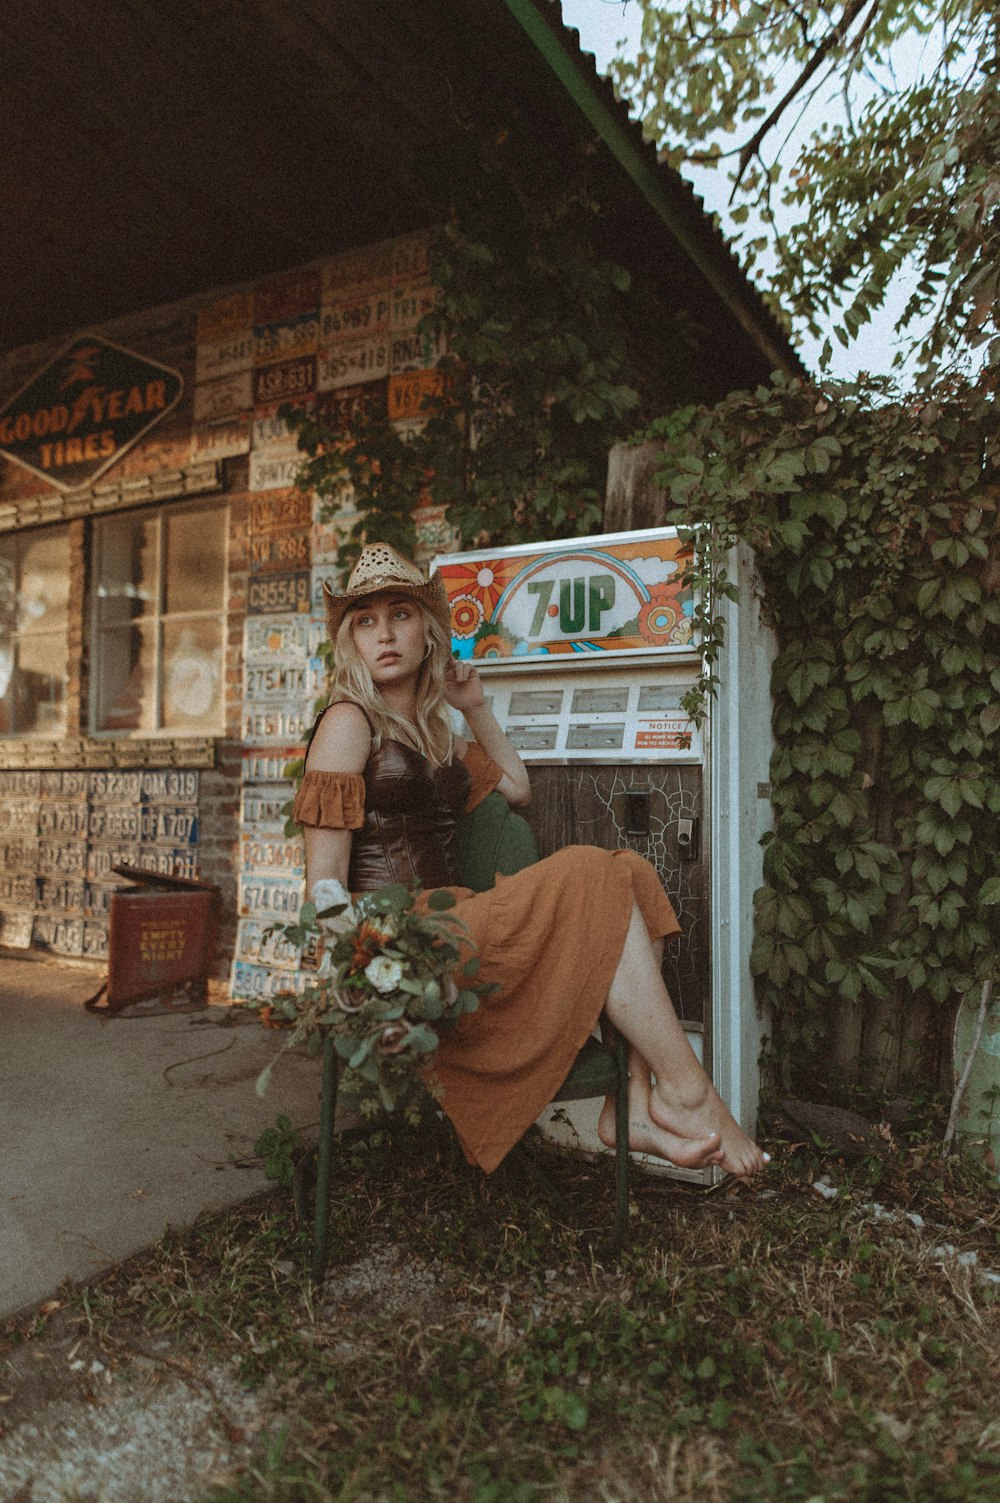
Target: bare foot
{"x": 644, "y": 1136}
{"x": 701, "y": 1112}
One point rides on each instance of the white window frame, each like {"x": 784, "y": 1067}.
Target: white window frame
{"x": 156, "y": 619}
{"x": 20, "y": 536}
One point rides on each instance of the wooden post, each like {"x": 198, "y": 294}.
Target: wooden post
{"x": 633, "y": 499}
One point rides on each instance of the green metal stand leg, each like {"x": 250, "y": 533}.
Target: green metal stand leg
{"x": 324, "y": 1159}
{"x": 621, "y": 1143}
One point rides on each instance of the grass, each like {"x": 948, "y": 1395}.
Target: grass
{"x": 754, "y": 1342}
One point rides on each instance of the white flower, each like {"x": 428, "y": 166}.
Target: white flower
{"x": 383, "y": 973}
{"x": 329, "y": 893}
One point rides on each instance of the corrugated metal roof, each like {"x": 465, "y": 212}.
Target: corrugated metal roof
{"x": 157, "y": 150}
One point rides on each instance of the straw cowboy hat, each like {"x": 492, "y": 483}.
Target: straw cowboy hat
{"x": 380, "y": 570}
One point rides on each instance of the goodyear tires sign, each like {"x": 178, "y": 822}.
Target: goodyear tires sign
{"x": 80, "y": 414}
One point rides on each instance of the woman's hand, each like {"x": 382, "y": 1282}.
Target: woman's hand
{"x": 463, "y": 688}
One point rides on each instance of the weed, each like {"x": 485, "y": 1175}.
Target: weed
{"x": 469, "y": 1345}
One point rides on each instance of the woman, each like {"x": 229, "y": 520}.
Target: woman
{"x": 573, "y": 936}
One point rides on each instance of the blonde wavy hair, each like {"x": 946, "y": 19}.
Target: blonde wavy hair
{"x": 430, "y": 732}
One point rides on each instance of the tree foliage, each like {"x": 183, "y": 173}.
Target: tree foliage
{"x": 877, "y": 533}
{"x": 902, "y": 180}
{"x": 538, "y": 382}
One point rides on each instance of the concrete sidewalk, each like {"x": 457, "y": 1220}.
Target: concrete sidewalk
{"x": 112, "y": 1129}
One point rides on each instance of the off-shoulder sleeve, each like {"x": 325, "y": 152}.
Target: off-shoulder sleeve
{"x": 331, "y": 801}
{"x": 484, "y": 772}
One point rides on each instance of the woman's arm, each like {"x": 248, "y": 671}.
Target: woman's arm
{"x": 342, "y": 743}
{"x": 464, "y": 692}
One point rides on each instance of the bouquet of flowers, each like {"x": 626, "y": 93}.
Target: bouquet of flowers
{"x": 387, "y": 978}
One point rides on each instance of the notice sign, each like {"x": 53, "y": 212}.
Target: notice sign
{"x": 80, "y": 414}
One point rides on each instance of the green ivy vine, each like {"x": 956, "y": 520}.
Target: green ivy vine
{"x": 875, "y": 528}
{"x": 542, "y": 331}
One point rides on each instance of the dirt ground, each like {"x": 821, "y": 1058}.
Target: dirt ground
{"x": 90, "y": 1417}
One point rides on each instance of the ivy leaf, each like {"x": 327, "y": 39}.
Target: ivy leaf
{"x": 989, "y": 719}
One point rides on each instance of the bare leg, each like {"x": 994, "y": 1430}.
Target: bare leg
{"x": 682, "y": 1102}
{"x": 645, "y": 1135}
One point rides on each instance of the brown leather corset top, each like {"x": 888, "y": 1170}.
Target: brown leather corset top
{"x": 410, "y": 812}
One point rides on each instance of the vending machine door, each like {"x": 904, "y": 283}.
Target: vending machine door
{"x": 657, "y": 810}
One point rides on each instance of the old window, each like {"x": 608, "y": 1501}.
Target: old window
{"x": 159, "y": 621}
{"x": 34, "y": 594}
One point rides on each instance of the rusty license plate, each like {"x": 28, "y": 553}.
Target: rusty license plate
{"x": 273, "y": 854}
{"x": 415, "y": 394}
{"x": 69, "y": 819}
{"x": 256, "y": 983}
{"x": 293, "y": 508}
{"x": 225, "y": 315}
{"x": 170, "y": 785}
{"x": 272, "y": 594}
{"x": 19, "y": 853}
{"x": 287, "y": 296}
{"x": 267, "y": 897}
{"x": 263, "y": 806}
{"x": 286, "y": 338}
{"x": 412, "y": 301}
{"x": 274, "y": 471}
{"x": 416, "y": 350}
{"x": 115, "y": 822}
{"x": 271, "y": 431}
{"x": 20, "y": 783}
{"x": 169, "y": 824}
{"x": 57, "y": 895}
{"x": 63, "y": 936}
{"x": 282, "y": 551}
{"x": 16, "y": 927}
{"x": 355, "y": 317}
{"x": 265, "y": 944}
{"x": 223, "y": 399}
{"x": 286, "y": 379}
{"x": 283, "y": 638}
{"x": 222, "y": 439}
{"x": 278, "y": 682}
{"x": 95, "y": 940}
{"x": 231, "y": 354}
{"x": 64, "y": 785}
{"x": 17, "y": 889}
{"x": 115, "y": 787}
{"x": 63, "y": 858}
{"x": 353, "y": 362}
{"x": 266, "y": 764}
{"x": 276, "y": 723}
{"x": 19, "y": 816}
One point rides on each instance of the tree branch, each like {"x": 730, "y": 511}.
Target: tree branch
{"x": 831, "y": 40}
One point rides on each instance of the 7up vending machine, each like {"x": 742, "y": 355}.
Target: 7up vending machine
{"x": 587, "y": 648}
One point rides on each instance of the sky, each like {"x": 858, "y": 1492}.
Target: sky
{"x": 604, "y": 25}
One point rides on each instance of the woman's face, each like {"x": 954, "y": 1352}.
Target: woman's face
{"x": 388, "y": 633}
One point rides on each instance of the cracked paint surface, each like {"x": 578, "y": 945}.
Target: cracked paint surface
{"x": 586, "y": 805}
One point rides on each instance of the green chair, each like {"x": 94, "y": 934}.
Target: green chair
{"x": 493, "y": 841}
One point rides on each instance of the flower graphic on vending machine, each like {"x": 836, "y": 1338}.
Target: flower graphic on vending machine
{"x": 662, "y": 614}
{"x": 483, "y": 581}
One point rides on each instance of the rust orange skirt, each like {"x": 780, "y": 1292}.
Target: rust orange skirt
{"x": 550, "y": 937}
